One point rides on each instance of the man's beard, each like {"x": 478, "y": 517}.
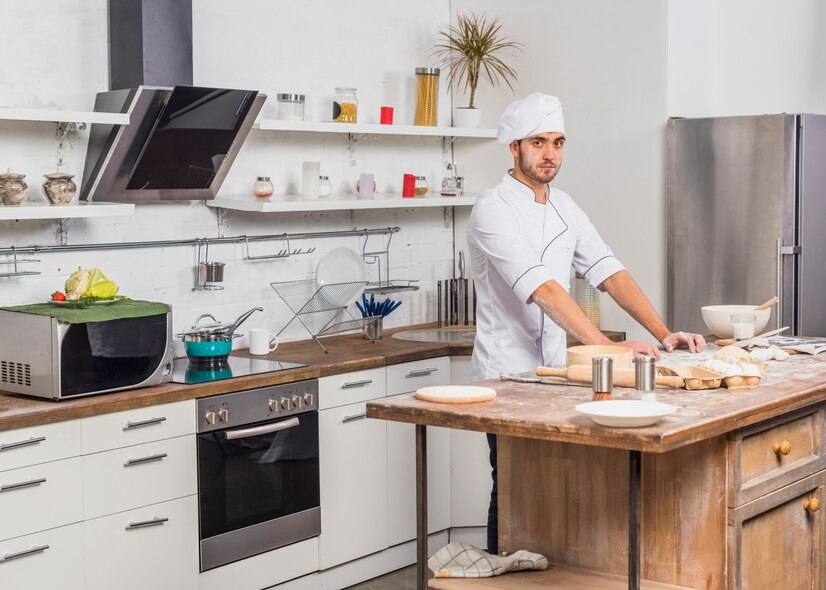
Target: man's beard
{"x": 533, "y": 174}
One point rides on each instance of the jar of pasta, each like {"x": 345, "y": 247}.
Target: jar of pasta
{"x": 345, "y": 105}
{"x": 427, "y": 96}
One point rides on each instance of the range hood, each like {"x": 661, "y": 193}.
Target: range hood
{"x": 179, "y": 144}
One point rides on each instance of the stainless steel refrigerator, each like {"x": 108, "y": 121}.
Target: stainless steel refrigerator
{"x": 746, "y": 218}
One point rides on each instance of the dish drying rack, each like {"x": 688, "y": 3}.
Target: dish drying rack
{"x": 384, "y": 283}
{"x": 322, "y": 308}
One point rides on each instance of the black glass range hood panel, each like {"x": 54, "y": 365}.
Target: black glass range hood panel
{"x": 179, "y": 144}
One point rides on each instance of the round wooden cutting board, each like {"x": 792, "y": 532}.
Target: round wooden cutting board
{"x": 455, "y": 394}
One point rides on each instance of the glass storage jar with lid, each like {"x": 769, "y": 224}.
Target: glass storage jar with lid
{"x": 325, "y": 187}
{"x": 345, "y": 105}
{"x": 421, "y": 187}
{"x": 290, "y": 107}
{"x": 262, "y": 188}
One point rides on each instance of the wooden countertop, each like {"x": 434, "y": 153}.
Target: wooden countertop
{"x": 547, "y": 411}
{"x": 345, "y": 353}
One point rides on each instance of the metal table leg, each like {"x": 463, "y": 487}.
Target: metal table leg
{"x": 421, "y": 507}
{"x": 634, "y": 479}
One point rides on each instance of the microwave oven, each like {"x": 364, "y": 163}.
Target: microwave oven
{"x": 43, "y": 357}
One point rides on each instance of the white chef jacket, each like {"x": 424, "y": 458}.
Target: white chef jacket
{"x": 516, "y": 245}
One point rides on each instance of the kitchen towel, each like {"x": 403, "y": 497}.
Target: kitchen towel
{"x": 462, "y": 560}
{"x": 109, "y": 310}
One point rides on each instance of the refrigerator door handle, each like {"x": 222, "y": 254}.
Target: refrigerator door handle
{"x": 782, "y": 251}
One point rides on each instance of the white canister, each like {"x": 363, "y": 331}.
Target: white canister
{"x": 309, "y": 181}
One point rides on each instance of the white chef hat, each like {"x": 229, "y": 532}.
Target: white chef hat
{"x": 532, "y": 115}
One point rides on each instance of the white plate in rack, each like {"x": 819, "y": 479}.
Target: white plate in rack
{"x": 455, "y": 394}
{"x": 341, "y": 265}
{"x": 626, "y": 413}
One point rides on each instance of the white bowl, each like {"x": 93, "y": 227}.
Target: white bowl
{"x": 718, "y": 318}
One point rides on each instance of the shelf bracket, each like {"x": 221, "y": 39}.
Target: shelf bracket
{"x": 63, "y": 130}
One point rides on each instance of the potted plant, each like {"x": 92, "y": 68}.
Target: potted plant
{"x": 474, "y": 48}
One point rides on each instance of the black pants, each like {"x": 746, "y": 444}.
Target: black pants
{"x": 493, "y": 512}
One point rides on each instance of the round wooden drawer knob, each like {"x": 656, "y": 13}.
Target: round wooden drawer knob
{"x": 811, "y": 504}
{"x": 783, "y": 448}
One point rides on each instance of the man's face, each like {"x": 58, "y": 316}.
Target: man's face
{"x": 539, "y": 157}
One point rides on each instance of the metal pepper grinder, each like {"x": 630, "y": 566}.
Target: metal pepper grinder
{"x": 602, "y": 377}
{"x": 645, "y": 377}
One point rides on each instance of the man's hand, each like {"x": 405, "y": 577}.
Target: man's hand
{"x": 642, "y": 348}
{"x": 693, "y": 342}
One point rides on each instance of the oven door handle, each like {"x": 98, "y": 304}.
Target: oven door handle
{"x": 266, "y": 429}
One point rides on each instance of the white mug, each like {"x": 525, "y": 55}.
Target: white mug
{"x": 262, "y": 341}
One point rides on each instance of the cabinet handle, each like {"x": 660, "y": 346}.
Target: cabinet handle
{"x": 422, "y": 372}
{"x": 142, "y": 423}
{"x": 22, "y": 443}
{"x": 145, "y": 523}
{"x": 259, "y": 430}
{"x": 355, "y": 417}
{"x": 782, "y": 448}
{"x": 811, "y": 504}
{"x": 360, "y": 383}
{"x": 22, "y": 484}
{"x": 158, "y": 457}
{"x": 24, "y": 553}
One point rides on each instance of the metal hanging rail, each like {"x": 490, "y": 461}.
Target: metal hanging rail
{"x": 35, "y": 249}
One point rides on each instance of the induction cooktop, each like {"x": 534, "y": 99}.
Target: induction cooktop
{"x": 185, "y": 371}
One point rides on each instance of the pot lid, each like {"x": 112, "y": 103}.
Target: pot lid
{"x": 215, "y": 327}
{"x": 9, "y": 175}
{"x": 56, "y": 175}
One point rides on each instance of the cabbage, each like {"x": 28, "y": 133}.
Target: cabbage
{"x": 77, "y": 284}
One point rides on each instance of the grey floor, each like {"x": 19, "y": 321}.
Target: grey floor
{"x": 403, "y": 579}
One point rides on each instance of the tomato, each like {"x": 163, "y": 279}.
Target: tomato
{"x": 58, "y": 296}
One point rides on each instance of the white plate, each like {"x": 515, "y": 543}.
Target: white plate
{"x": 625, "y": 413}
{"x": 96, "y": 302}
{"x": 455, "y": 394}
{"x": 340, "y": 265}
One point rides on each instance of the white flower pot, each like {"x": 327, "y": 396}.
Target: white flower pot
{"x": 465, "y": 117}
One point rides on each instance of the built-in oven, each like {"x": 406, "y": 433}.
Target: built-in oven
{"x": 258, "y": 479}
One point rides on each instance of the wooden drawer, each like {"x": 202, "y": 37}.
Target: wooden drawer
{"x": 776, "y": 453}
{"x": 407, "y": 377}
{"x": 133, "y": 427}
{"x": 40, "y": 497}
{"x": 151, "y": 547}
{"x": 349, "y": 388}
{"x": 47, "y": 559}
{"x": 122, "y": 479}
{"x": 39, "y": 444}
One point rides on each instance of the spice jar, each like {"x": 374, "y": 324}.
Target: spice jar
{"x": 345, "y": 105}
{"x": 262, "y": 187}
{"x": 427, "y": 96}
{"x": 421, "y": 187}
{"x": 602, "y": 377}
{"x": 325, "y": 187}
{"x": 291, "y": 107}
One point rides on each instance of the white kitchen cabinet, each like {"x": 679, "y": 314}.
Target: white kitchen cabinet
{"x": 353, "y": 469}
{"x": 401, "y": 456}
{"x": 135, "y": 476}
{"x": 149, "y": 547}
{"x": 133, "y": 427}
{"x": 38, "y": 444}
{"x": 46, "y": 559}
{"x": 470, "y": 478}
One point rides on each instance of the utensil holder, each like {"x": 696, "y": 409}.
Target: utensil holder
{"x": 374, "y": 329}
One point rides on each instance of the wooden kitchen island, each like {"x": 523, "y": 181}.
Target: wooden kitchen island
{"x": 724, "y": 494}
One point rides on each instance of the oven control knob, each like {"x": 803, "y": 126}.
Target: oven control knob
{"x": 223, "y": 415}
{"x": 285, "y": 403}
{"x": 210, "y": 417}
{"x": 308, "y": 399}
{"x": 297, "y": 401}
{"x": 274, "y": 407}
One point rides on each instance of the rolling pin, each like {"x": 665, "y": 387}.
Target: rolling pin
{"x": 622, "y": 377}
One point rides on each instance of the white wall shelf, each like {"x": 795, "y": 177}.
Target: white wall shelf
{"x": 62, "y": 116}
{"x": 283, "y": 204}
{"x": 79, "y": 209}
{"x": 373, "y": 129}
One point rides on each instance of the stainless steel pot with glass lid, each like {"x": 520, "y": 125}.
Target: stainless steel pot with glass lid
{"x": 214, "y": 340}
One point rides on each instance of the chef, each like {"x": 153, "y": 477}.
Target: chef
{"x": 524, "y": 237}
